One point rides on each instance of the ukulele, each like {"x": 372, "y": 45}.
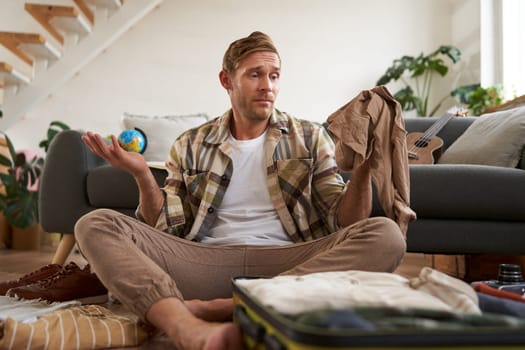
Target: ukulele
{"x": 425, "y": 148}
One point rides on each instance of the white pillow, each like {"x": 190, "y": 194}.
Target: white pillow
{"x": 161, "y": 131}
{"x": 493, "y": 139}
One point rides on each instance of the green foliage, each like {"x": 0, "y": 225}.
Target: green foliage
{"x": 54, "y": 128}
{"x": 17, "y": 201}
{"x": 478, "y": 98}
{"x": 417, "y": 74}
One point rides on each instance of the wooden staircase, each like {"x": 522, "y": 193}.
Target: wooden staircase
{"x": 11, "y": 76}
{"x": 59, "y": 19}
{"x": 29, "y": 46}
{"x": 74, "y": 32}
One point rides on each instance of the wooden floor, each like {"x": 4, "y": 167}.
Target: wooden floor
{"x": 14, "y": 263}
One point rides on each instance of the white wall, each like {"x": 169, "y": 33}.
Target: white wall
{"x": 169, "y": 62}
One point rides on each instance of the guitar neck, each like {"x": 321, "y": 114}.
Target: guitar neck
{"x": 438, "y": 125}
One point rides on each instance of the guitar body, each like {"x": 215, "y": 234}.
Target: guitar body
{"x": 423, "y": 150}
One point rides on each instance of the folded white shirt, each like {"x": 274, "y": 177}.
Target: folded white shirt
{"x": 344, "y": 289}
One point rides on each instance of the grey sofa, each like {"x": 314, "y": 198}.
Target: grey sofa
{"x": 462, "y": 209}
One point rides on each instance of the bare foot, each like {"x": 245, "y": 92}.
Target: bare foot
{"x": 181, "y": 323}
{"x": 226, "y": 336}
{"x": 216, "y": 310}
{"x": 204, "y": 335}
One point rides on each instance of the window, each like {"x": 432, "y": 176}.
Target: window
{"x": 513, "y": 47}
{"x": 503, "y": 45}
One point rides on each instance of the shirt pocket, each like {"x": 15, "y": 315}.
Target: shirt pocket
{"x": 295, "y": 178}
{"x": 195, "y": 186}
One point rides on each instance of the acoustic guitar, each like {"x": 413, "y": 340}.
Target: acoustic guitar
{"x": 425, "y": 148}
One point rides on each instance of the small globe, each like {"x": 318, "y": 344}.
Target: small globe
{"x": 133, "y": 140}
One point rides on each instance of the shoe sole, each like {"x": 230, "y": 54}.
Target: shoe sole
{"x": 98, "y": 299}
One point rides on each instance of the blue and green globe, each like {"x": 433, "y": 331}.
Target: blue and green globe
{"x": 133, "y": 140}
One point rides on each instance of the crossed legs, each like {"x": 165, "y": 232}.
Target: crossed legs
{"x": 177, "y": 285}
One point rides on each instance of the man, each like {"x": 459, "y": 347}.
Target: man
{"x": 253, "y": 192}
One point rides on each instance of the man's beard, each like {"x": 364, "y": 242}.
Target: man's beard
{"x": 260, "y": 114}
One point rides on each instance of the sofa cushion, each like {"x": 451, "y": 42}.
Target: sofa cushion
{"x": 467, "y": 192}
{"x": 453, "y": 192}
{"x": 494, "y": 139}
{"x": 161, "y": 131}
{"x": 110, "y": 187}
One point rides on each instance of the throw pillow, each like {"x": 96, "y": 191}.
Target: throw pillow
{"x": 493, "y": 139}
{"x": 161, "y": 131}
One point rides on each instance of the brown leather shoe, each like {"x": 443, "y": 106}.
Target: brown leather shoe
{"x": 32, "y": 277}
{"x": 72, "y": 283}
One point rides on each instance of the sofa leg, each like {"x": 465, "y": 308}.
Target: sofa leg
{"x": 64, "y": 248}
{"x": 453, "y": 265}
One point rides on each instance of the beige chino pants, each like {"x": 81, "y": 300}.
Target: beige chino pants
{"x": 140, "y": 265}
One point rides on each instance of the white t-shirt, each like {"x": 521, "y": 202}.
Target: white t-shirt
{"x": 246, "y": 215}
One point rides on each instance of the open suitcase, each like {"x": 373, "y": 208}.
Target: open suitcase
{"x": 264, "y": 328}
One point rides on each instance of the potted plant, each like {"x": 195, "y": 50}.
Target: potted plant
{"x": 478, "y": 98}
{"x": 19, "y": 196}
{"x": 54, "y": 128}
{"x": 416, "y": 74}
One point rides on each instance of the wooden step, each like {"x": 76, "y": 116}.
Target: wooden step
{"x": 10, "y": 76}
{"x": 87, "y": 7}
{"x": 109, "y": 4}
{"x": 56, "y": 18}
{"x": 86, "y": 10}
{"x": 29, "y": 46}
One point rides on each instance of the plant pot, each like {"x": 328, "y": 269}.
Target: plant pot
{"x": 26, "y": 238}
{"x": 5, "y": 231}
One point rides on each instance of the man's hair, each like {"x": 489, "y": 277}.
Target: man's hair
{"x": 241, "y": 48}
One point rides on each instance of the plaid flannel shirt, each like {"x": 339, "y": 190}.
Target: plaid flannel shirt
{"x": 302, "y": 177}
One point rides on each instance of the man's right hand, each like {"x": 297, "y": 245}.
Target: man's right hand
{"x": 132, "y": 162}
{"x": 151, "y": 197}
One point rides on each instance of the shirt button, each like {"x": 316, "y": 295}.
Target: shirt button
{"x": 210, "y": 210}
